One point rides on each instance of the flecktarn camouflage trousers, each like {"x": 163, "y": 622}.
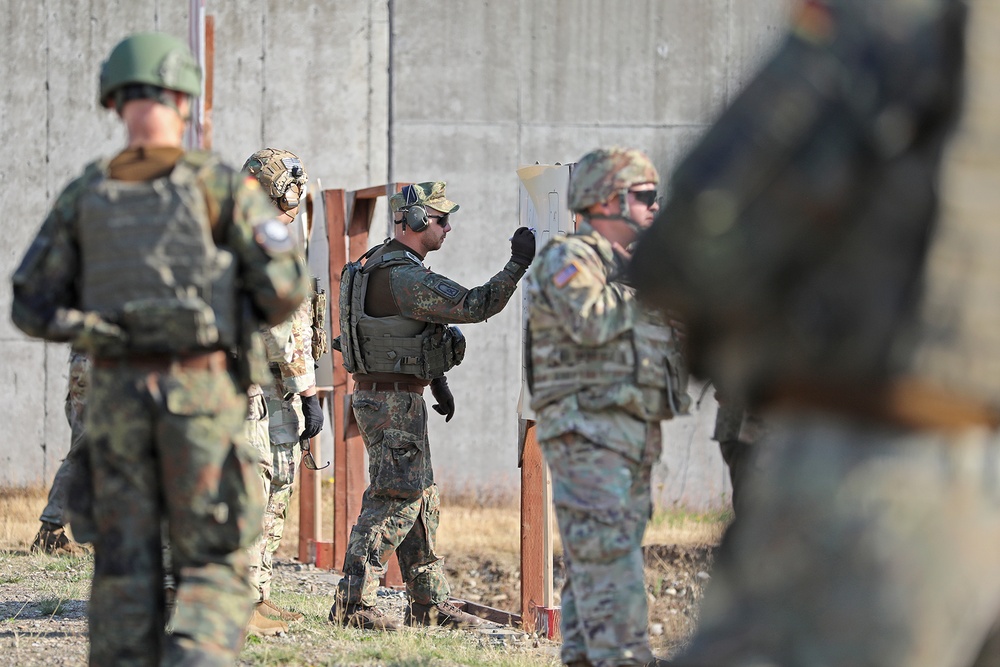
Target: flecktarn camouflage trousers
{"x": 167, "y": 446}
{"x": 401, "y": 508}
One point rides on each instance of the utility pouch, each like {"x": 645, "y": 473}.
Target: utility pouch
{"x": 320, "y": 343}
{"x": 169, "y": 325}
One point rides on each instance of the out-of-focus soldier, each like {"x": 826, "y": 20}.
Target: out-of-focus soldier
{"x": 831, "y": 243}
{"x": 292, "y": 405}
{"x": 51, "y": 537}
{"x": 143, "y": 263}
{"x": 396, "y": 339}
{"x": 604, "y": 371}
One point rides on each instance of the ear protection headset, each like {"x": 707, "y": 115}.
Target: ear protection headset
{"x": 289, "y": 199}
{"x": 414, "y": 215}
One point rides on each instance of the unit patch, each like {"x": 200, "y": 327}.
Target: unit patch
{"x": 273, "y": 237}
{"x": 448, "y": 289}
{"x": 566, "y": 274}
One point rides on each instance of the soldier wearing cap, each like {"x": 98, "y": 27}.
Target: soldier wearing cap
{"x": 292, "y": 412}
{"x": 396, "y": 338}
{"x": 603, "y": 373}
{"x": 143, "y": 263}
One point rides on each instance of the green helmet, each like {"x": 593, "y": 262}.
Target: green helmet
{"x": 604, "y": 172}
{"x": 150, "y": 59}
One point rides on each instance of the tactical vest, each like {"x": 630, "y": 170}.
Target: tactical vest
{"x": 393, "y": 344}
{"x": 642, "y": 369}
{"x": 152, "y": 265}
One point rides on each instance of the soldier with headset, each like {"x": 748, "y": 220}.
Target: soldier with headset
{"x": 142, "y": 263}
{"x": 293, "y": 413}
{"x": 396, "y": 338}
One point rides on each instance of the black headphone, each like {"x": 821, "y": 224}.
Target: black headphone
{"x": 414, "y": 215}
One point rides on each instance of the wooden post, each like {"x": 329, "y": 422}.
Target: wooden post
{"x": 536, "y": 536}
{"x": 206, "y": 124}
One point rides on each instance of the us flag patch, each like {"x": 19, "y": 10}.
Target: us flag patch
{"x": 565, "y": 274}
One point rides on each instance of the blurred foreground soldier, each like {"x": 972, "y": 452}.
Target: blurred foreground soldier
{"x": 604, "y": 372}
{"x": 51, "y": 537}
{"x": 293, "y": 410}
{"x": 395, "y": 339}
{"x": 832, "y": 244}
{"x": 142, "y": 264}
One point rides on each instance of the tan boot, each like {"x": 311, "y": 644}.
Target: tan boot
{"x": 262, "y": 626}
{"x": 442, "y": 613}
{"x": 272, "y": 610}
{"x": 52, "y": 539}
{"x": 364, "y": 618}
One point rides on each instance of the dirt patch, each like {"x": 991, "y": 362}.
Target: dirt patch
{"x": 675, "y": 580}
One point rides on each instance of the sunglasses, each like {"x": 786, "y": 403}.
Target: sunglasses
{"x": 307, "y": 457}
{"x": 647, "y": 197}
{"x": 440, "y": 219}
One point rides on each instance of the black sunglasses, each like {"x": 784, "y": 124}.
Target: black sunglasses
{"x": 647, "y": 197}
{"x": 309, "y": 462}
{"x": 440, "y": 219}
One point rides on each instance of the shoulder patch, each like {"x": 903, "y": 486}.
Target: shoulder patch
{"x": 273, "y": 237}
{"x": 447, "y": 289}
{"x": 566, "y": 274}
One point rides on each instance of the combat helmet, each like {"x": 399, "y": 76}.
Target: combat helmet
{"x": 146, "y": 64}
{"x": 604, "y": 172}
{"x": 277, "y": 171}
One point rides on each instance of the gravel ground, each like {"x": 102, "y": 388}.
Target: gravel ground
{"x": 43, "y": 604}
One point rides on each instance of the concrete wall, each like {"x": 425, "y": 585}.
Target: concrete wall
{"x": 373, "y": 91}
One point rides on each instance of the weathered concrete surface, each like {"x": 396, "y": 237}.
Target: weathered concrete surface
{"x": 369, "y": 92}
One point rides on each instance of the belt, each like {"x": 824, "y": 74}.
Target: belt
{"x": 389, "y": 386}
{"x": 216, "y": 360}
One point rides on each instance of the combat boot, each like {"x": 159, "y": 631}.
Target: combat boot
{"x": 262, "y": 626}
{"x": 272, "y": 610}
{"x": 52, "y": 539}
{"x": 364, "y": 618}
{"x": 443, "y": 613}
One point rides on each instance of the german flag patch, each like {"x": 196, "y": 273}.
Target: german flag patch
{"x": 566, "y": 274}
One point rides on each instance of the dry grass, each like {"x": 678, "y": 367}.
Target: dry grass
{"x": 19, "y": 511}
{"x": 470, "y": 523}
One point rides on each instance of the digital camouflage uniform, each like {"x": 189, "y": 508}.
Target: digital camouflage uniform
{"x": 278, "y": 344}
{"x": 401, "y": 507}
{"x": 293, "y": 374}
{"x": 600, "y": 434}
{"x": 838, "y": 268}
{"x": 163, "y": 427}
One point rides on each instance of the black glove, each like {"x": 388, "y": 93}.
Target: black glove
{"x": 445, "y": 401}
{"x": 522, "y": 247}
{"x": 313, "y": 414}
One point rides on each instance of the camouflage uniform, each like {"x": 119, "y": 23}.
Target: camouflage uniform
{"x": 278, "y": 343}
{"x": 290, "y": 353}
{"x": 401, "y": 507}
{"x": 822, "y": 277}
{"x": 76, "y": 400}
{"x": 163, "y": 427}
{"x": 293, "y": 374}
{"x": 599, "y": 442}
